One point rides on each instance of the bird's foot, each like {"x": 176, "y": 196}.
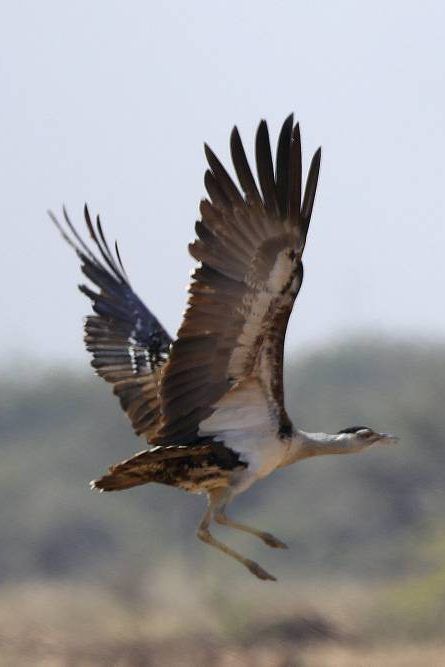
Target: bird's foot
{"x": 273, "y": 542}
{"x": 258, "y": 571}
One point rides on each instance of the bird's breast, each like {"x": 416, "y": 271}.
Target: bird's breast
{"x": 262, "y": 453}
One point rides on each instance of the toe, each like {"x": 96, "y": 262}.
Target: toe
{"x": 273, "y": 542}
{"x": 259, "y": 572}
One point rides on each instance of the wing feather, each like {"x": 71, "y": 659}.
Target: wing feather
{"x": 265, "y": 169}
{"x": 243, "y": 170}
{"x": 249, "y": 245}
{"x": 282, "y": 167}
{"x": 128, "y": 344}
{"x": 311, "y": 187}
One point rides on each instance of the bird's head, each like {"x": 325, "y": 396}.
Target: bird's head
{"x": 363, "y": 436}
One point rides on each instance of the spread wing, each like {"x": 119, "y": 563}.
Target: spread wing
{"x": 250, "y": 246}
{"x": 128, "y": 344}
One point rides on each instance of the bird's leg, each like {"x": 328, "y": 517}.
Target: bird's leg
{"x": 271, "y": 541}
{"x": 204, "y": 534}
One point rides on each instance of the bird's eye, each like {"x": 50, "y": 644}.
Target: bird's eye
{"x": 364, "y": 432}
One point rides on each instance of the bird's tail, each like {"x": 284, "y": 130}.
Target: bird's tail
{"x": 144, "y": 467}
{"x": 123, "y": 475}
{"x": 164, "y": 465}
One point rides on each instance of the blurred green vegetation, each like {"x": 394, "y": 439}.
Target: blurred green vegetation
{"x": 414, "y": 606}
{"x": 372, "y": 522}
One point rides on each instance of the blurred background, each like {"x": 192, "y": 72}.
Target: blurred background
{"x": 109, "y": 103}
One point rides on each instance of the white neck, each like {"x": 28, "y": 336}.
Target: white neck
{"x": 304, "y": 445}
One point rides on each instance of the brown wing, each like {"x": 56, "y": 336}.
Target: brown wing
{"x": 241, "y": 297}
{"x": 128, "y": 344}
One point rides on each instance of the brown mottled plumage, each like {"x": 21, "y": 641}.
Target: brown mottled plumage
{"x": 204, "y": 467}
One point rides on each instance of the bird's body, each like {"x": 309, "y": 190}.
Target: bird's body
{"x": 200, "y": 468}
{"x": 210, "y": 403}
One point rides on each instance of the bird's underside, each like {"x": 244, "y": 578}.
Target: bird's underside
{"x": 210, "y": 403}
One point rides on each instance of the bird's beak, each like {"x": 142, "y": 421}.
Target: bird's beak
{"x": 388, "y": 439}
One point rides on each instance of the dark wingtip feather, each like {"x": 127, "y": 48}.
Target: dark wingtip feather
{"x": 61, "y": 230}
{"x": 282, "y": 165}
{"x": 235, "y": 138}
{"x": 216, "y": 192}
{"x": 295, "y": 175}
{"x": 311, "y": 186}
{"x": 89, "y": 223}
{"x": 101, "y": 243}
{"x": 208, "y": 151}
{"x": 265, "y": 168}
{"x": 106, "y": 252}
{"x": 234, "y": 133}
{"x": 243, "y": 170}
{"x": 82, "y": 250}
{"x": 223, "y": 179}
{"x": 118, "y": 255}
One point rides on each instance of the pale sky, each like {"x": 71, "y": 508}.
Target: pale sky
{"x": 110, "y": 102}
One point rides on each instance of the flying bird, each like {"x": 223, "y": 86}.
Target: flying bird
{"x": 210, "y": 402}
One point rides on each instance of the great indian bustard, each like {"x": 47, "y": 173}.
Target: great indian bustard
{"x": 210, "y": 403}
